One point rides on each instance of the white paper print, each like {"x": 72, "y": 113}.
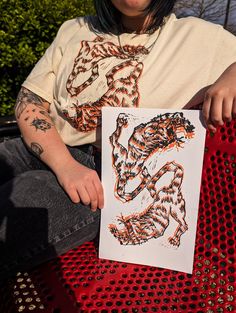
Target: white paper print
{"x": 151, "y": 174}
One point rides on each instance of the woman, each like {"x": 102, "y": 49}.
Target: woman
{"x": 134, "y": 53}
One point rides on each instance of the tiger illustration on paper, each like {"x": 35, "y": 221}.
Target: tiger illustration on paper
{"x": 163, "y": 133}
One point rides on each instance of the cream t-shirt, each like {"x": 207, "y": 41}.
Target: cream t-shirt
{"x": 83, "y": 71}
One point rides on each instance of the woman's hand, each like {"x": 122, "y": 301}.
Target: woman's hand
{"x": 219, "y": 99}
{"x": 219, "y": 104}
{"x": 82, "y": 184}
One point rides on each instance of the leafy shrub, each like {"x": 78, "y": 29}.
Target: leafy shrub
{"x": 27, "y": 27}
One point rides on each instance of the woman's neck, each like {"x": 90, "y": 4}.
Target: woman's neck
{"x": 138, "y": 24}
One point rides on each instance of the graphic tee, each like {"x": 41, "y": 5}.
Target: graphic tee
{"x": 83, "y": 71}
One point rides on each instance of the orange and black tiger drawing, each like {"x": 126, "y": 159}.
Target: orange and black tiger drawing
{"x": 122, "y": 81}
{"x": 162, "y": 133}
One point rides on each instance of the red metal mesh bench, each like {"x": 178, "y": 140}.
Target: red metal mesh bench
{"x": 80, "y": 282}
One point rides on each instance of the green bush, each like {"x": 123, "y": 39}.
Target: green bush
{"x": 27, "y": 27}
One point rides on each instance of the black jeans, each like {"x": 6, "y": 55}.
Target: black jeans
{"x": 38, "y": 221}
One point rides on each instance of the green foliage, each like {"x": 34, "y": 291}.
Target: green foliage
{"x": 27, "y": 27}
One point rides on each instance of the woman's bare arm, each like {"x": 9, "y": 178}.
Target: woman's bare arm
{"x": 42, "y": 138}
{"x": 38, "y": 131}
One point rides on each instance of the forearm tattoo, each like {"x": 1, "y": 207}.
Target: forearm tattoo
{"x": 45, "y": 113}
{"x": 41, "y": 124}
{"x": 24, "y": 98}
{"x": 36, "y": 149}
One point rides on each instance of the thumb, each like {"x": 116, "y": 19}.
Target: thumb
{"x": 197, "y": 99}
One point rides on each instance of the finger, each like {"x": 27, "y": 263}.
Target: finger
{"x": 206, "y": 109}
{"x": 211, "y": 128}
{"x": 234, "y": 109}
{"x": 73, "y": 194}
{"x": 227, "y": 110}
{"x": 197, "y": 99}
{"x": 84, "y": 195}
{"x": 100, "y": 194}
{"x": 91, "y": 190}
{"x": 215, "y": 115}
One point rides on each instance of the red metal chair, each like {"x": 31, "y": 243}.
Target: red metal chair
{"x": 80, "y": 282}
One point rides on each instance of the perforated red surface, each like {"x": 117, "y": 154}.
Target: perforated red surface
{"x": 79, "y": 282}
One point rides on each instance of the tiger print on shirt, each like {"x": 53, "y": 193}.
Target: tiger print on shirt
{"x": 122, "y": 81}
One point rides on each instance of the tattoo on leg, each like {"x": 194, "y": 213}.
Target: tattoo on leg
{"x": 24, "y": 98}
{"x": 36, "y": 149}
{"x": 41, "y": 124}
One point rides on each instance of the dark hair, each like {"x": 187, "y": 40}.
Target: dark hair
{"x": 109, "y": 18}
